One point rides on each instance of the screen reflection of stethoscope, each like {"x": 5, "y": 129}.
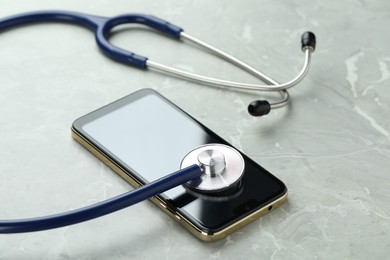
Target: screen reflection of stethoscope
{"x": 212, "y": 170}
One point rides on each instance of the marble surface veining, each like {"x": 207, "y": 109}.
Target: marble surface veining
{"x": 331, "y": 146}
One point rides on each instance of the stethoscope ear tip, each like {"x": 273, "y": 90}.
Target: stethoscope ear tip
{"x": 308, "y": 40}
{"x": 259, "y": 108}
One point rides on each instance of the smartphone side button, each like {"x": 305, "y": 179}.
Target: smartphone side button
{"x": 167, "y": 209}
{"x": 172, "y": 212}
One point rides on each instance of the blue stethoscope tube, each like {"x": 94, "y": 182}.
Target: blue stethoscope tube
{"x": 101, "y": 26}
{"x": 102, "y": 208}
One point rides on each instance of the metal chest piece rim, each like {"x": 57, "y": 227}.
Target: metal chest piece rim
{"x": 222, "y": 166}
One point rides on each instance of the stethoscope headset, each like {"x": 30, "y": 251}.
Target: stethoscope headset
{"x": 213, "y": 171}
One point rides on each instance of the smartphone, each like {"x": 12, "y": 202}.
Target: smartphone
{"x": 144, "y": 136}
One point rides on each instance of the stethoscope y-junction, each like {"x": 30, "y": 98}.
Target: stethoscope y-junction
{"x": 208, "y": 170}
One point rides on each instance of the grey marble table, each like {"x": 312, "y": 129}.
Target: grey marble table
{"x": 331, "y": 146}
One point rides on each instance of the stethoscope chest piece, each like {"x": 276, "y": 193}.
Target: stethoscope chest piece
{"x": 222, "y": 166}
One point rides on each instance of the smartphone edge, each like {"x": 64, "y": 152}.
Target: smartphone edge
{"x": 187, "y": 224}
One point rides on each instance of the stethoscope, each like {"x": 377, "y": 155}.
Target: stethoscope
{"x": 208, "y": 171}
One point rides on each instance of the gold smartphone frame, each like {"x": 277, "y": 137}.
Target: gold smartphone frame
{"x": 127, "y": 176}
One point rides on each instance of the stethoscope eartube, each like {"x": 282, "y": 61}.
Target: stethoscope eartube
{"x": 102, "y": 26}
{"x": 256, "y": 108}
{"x": 263, "y": 107}
{"x": 217, "y": 168}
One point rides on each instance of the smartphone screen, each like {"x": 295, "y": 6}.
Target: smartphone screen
{"x": 148, "y": 136}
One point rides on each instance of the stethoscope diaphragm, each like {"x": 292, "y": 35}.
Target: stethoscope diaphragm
{"x": 222, "y": 166}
